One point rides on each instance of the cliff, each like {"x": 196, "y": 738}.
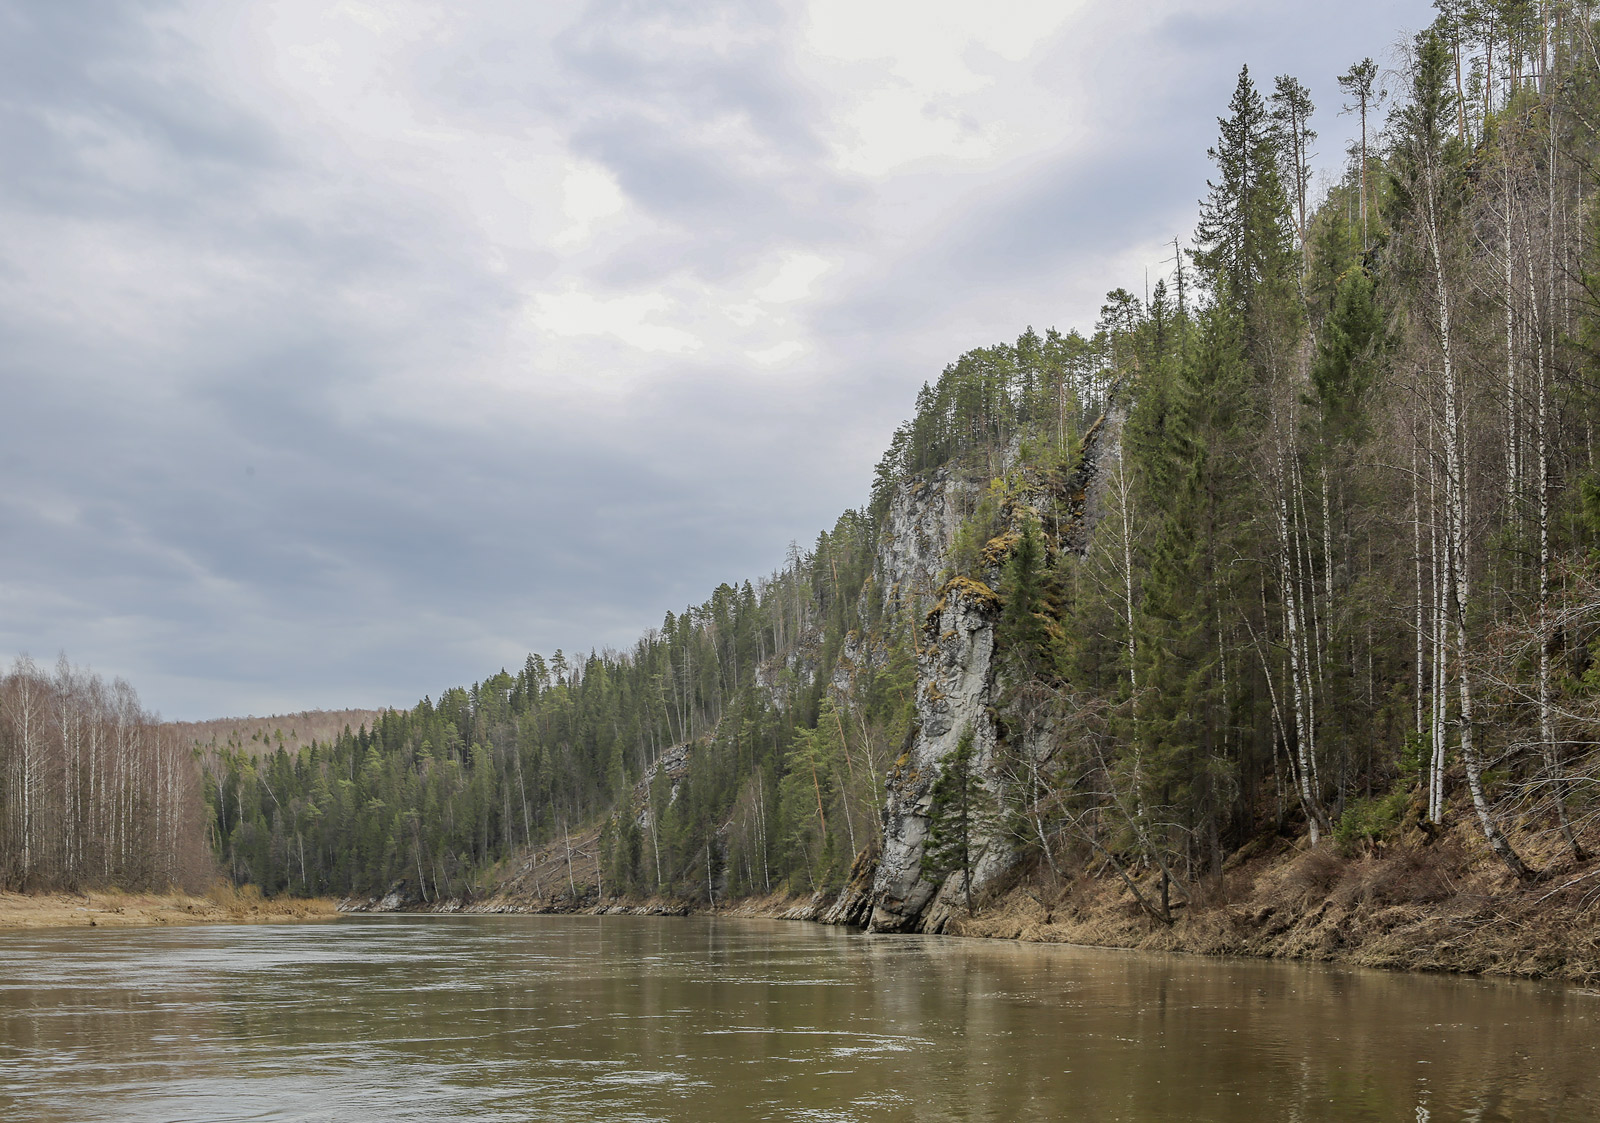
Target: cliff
{"x": 958, "y": 681}
{"x": 1424, "y": 901}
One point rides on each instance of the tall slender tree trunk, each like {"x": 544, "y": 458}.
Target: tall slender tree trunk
{"x": 1513, "y": 488}
{"x": 1555, "y": 773}
{"x": 1416, "y": 552}
{"x": 1306, "y": 772}
{"x": 1365, "y": 243}
{"x": 1457, "y": 552}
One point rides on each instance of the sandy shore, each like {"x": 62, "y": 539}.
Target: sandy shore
{"x": 111, "y": 908}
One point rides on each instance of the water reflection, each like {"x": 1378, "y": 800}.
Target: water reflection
{"x": 559, "y": 1018}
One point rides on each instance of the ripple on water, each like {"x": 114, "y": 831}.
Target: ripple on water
{"x": 569, "y": 1018}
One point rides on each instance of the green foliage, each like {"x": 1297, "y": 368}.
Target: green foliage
{"x": 1427, "y": 170}
{"x": 1246, "y": 232}
{"x": 804, "y": 794}
{"x": 1348, "y": 351}
{"x": 1371, "y": 820}
{"x": 1588, "y": 511}
{"x": 966, "y": 556}
{"x": 1028, "y": 633}
{"x": 958, "y": 814}
{"x": 1042, "y": 392}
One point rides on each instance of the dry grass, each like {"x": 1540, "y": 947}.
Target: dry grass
{"x": 557, "y": 877}
{"x": 116, "y": 909}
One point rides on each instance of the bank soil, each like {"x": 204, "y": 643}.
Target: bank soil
{"x": 1429, "y": 903}
{"x": 1469, "y": 933}
{"x": 114, "y": 909}
{"x": 1443, "y": 904}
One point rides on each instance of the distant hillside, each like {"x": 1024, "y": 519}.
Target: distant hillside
{"x": 264, "y": 734}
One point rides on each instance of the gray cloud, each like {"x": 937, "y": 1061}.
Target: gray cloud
{"x": 275, "y": 431}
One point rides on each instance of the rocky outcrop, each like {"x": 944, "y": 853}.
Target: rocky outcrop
{"x": 955, "y": 682}
{"x": 1087, "y": 486}
{"x": 957, "y": 688}
{"x": 919, "y": 528}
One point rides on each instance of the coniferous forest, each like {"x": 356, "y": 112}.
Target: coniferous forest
{"x": 1335, "y": 571}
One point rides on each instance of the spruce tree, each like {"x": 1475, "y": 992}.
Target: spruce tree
{"x": 956, "y": 814}
{"x": 1025, "y": 631}
{"x": 1346, "y": 357}
{"x": 1245, "y": 229}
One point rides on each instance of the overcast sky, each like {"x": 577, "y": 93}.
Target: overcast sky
{"x": 351, "y": 350}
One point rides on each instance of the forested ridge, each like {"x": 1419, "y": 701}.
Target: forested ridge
{"x": 1304, "y": 540}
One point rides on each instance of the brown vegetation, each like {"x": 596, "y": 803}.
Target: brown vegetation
{"x": 116, "y": 909}
{"x": 265, "y": 734}
{"x": 558, "y": 877}
{"x": 1443, "y": 905}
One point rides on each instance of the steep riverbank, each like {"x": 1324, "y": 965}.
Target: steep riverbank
{"x": 1434, "y": 905}
{"x": 1440, "y": 909}
{"x": 115, "y": 909}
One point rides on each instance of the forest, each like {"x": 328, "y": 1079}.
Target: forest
{"x": 95, "y": 791}
{"x": 1342, "y": 571}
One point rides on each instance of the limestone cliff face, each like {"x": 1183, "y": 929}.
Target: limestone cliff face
{"x": 923, "y": 518}
{"x": 919, "y": 528}
{"x": 955, "y": 692}
{"x": 957, "y": 687}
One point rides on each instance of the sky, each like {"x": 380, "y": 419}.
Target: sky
{"x": 352, "y": 349}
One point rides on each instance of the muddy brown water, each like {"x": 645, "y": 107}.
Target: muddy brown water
{"x": 632, "y": 1018}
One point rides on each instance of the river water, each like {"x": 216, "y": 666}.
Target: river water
{"x": 631, "y": 1018}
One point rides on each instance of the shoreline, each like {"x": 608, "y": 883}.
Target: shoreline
{"x": 1441, "y": 906}
{"x": 115, "y": 908}
{"x": 1445, "y": 907}
{"x": 1021, "y": 917}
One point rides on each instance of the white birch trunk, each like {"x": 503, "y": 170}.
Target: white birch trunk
{"x": 1306, "y": 768}
{"x": 1457, "y": 551}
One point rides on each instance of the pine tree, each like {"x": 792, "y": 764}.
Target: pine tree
{"x": 1193, "y": 484}
{"x": 1291, "y": 115}
{"x": 1360, "y": 82}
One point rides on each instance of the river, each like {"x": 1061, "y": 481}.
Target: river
{"x": 632, "y": 1018}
